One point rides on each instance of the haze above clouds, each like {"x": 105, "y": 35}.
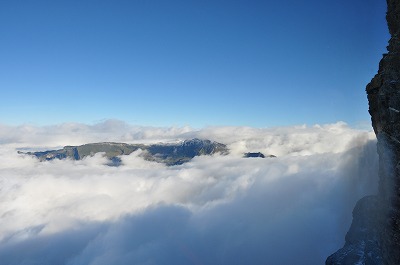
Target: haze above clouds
{"x": 293, "y": 209}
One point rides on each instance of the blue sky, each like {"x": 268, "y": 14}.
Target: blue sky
{"x": 197, "y": 63}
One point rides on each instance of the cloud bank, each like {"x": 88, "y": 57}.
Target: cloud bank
{"x": 293, "y": 209}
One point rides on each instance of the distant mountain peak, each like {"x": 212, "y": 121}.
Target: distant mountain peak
{"x": 169, "y": 154}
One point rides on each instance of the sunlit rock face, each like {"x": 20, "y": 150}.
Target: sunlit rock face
{"x": 374, "y": 236}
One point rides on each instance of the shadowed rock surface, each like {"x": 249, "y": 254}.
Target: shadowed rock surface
{"x": 257, "y": 154}
{"x": 170, "y": 154}
{"x": 374, "y": 236}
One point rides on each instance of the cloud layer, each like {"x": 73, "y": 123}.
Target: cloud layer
{"x": 293, "y": 209}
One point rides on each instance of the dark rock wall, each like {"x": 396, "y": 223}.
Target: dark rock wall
{"x": 384, "y": 106}
{"x": 374, "y": 236}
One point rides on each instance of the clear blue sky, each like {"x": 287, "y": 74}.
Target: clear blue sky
{"x": 198, "y": 63}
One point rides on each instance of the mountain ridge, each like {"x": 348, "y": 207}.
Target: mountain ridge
{"x": 168, "y": 153}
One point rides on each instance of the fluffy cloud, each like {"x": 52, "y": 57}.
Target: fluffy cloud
{"x": 293, "y": 209}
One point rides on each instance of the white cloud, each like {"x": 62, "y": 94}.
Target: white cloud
{"x": 293, "y": 209}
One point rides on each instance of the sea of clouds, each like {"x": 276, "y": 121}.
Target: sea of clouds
{"x": 292, "y": 209}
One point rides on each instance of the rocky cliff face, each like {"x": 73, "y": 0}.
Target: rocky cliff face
{"x": 374, "y": 236}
